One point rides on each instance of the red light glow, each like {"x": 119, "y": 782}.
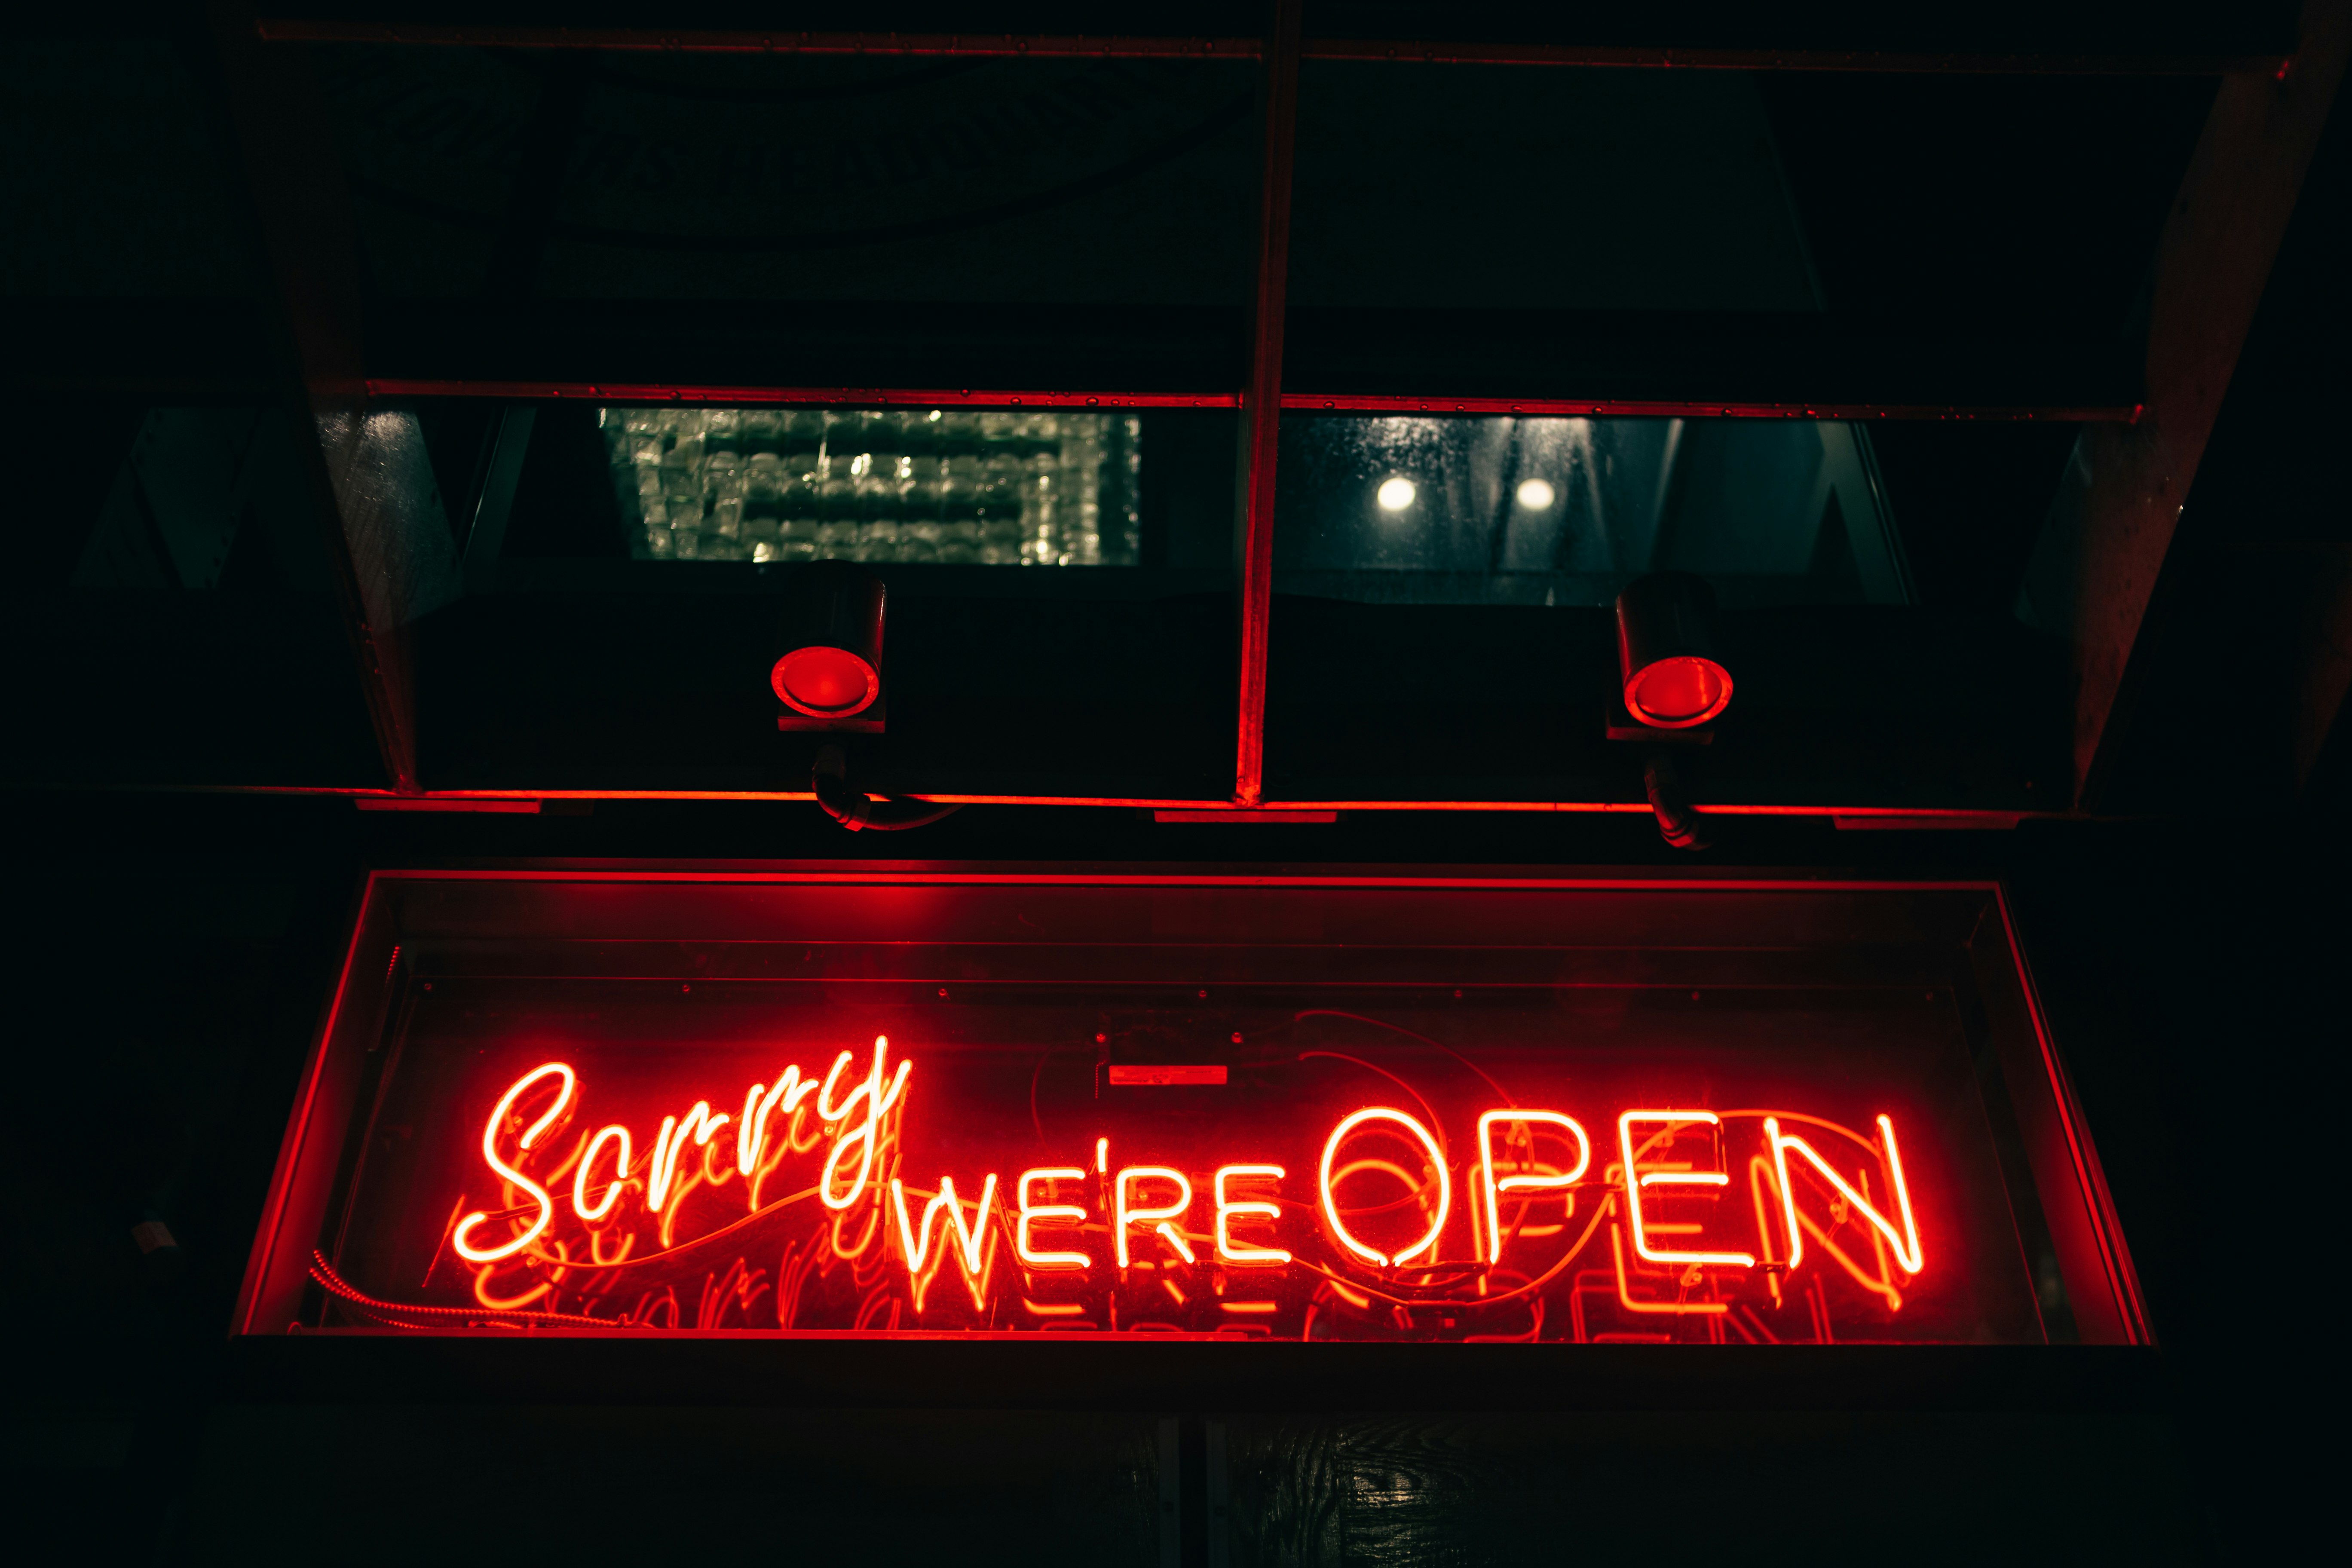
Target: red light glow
{"x": 1331, "y": 1211}
{"x": 1032, "y": 1213}
{"x": 825, "y": 682}
{"x": 1130, "y": 1214}
{"x": 1678, "y": 693}
{"x": 1228, "y": 1209}
{"x": 508, "y": 1173}
{"x": 1377, "y": 1251}
{"x": 1544, "y": 1181}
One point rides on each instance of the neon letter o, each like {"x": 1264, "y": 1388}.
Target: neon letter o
{"x": 1348, "y": 1124}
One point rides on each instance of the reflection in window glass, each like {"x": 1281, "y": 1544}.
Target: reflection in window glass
{"x": 1566, "y": 511}
{"x": 957, "y": 488}
{"x": 207, "y": 498}
{"x": 754, "y": 176}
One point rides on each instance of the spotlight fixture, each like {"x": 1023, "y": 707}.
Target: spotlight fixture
{"x": 1535, "y": 495}
{"x": 1671, "y": 687}
{"x": 1396, "y": 494}
{"x": 828, "y": 665}
{"x": 1669, "y": 675}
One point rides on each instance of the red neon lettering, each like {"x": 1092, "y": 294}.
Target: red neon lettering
{"x": 670, "y": 1142}
{"x": 867, "y": 1132}
{"x": 917, "y": 1246}
{"x": 458, "y": 1242}
{"x": 1490, "y": 1186}
{"x": 1228, "y": 1209}
{"x": 751, "y": 1132}
{"x": 1126, "y": 1215}
{"x": 1625, "y": 1296}
{"x": 1373, "y": 1255}
{"x": 1032, "y": 1213}
{"x": 1906, "y": 1245}
{"x": 1635, "y": 1181}
{"x": 620, "y": 1174}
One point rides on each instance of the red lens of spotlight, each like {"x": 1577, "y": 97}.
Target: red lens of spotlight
{"x": 825, "y": 682}
{"x": 1678, "y": 693}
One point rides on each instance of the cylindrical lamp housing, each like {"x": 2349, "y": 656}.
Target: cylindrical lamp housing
{"x": 1666, "y": 651}
{"x": 829, "y": 647}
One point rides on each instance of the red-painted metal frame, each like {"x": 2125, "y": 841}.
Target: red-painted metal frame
{"x": 797, "y": 396}
{"x": 1402, "y": 51}
{"x": 1891, "y": 817}
{"x": 1302, "y": 402}
{"x": 753, "y": 41}
{"x": 2106, "y": 1232}
{"x": 1262, "y": 404}
{"x": 1685, "y": 408}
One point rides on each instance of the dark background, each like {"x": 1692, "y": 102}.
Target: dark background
{"x": 169, "y": 954}
{"x": 172, "y": 955}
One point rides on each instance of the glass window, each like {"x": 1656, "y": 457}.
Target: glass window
{"x": 972, "y": 488}
{"x": 611, "y": 175}
{"x": 1050, "y": 572}
{"x": 113, "y": 185}
{"x": 178, "y": 601}
{"x": 1471, "y": 187}
{"x": 1511, "y": 511}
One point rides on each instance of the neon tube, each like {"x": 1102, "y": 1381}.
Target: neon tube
{"x": 1635, "y": 1181}
{"x": 1226, "y": 1209}
{"x": 620, "y": 1174}
{"x": 1339, "y": 1228}
{"x": 1030, "y": 1213}
{"x": 458, "y": 1242}
{"x": 1126, "y": 1217}
{"x": 1906, "y": 1243}
{"x": 1489, "y": 1186}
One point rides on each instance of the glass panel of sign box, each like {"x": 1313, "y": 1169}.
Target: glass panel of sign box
{"x": 1403, "y": 1140}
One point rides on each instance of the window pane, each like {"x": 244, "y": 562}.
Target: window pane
{"x": 634, "y": 175}
{"x": 1566, "y": 511}
{"x": 1050, "y": 572}
{"x": 1500, "y": 186}
{"x": 969, "y": 487}
{"x": 174, "y": 594}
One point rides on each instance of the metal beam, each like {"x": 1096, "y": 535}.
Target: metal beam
{"x": 1571, "y": 364}
{"x": 1661, "y": 363}
{"x": 1990, "y": 50}
{"x": 2097, "y": 563}
{"x": 2327, "y": 661}
{"x": 311, "y": 247}
{"x": 1262, "y": 405}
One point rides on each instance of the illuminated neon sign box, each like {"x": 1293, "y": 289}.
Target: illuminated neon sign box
{"x": 1122, "y": 1107}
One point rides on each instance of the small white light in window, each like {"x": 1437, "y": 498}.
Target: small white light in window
{"x": 1535, "y": 495}
{"x": 1395, "y": 495}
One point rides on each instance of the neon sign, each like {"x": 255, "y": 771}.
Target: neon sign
{"x": 562, "y": 1206}
{"x": 1065, "y": 1138}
